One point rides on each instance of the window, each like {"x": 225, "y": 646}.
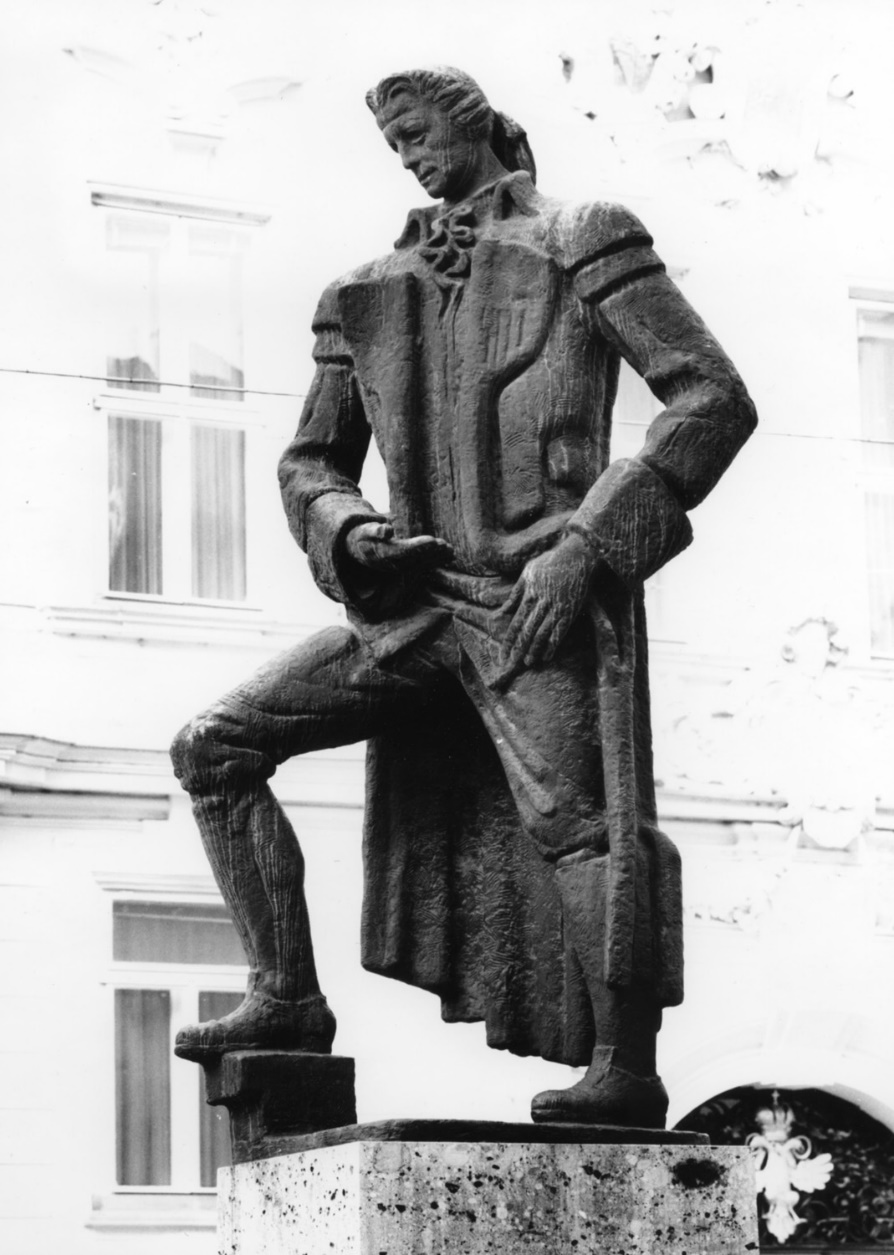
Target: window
{"x": 132, "y": 354}
{"x": 176, "y": 508}
{"x": 135, "y": 559}
{"x": 174, "y": 964}
{"x": 215, "y": 331}
{"x": 175, "y": 314}
{"x": 876, "y": 366}
{"x": 173, "y": 295}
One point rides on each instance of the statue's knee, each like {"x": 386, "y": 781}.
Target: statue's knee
{"x": 199, "y": 748}
{"x": 188, "y": 749}
{"x": 219, "y": 746}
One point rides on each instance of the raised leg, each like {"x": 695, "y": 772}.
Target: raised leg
{"x": 323, "y": 693}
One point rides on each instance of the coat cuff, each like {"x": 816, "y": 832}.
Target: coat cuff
{"x": 328, "y": 519}
{"x": 634, "y": 521}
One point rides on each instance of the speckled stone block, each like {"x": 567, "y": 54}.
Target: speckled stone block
{"x": 491, "y": 1198}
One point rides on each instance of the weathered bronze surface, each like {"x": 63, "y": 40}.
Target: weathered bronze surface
{"x": 496, "y": 658}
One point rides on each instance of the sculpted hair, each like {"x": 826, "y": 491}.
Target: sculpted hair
{"x": 459, "y": 96}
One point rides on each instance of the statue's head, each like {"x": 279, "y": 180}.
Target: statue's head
{"x": 440, "y": 123}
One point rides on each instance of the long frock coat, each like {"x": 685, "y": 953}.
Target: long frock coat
{"x": 482, "y": 355}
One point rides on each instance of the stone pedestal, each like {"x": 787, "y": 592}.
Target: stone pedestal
{"x": 380, "y": 1190}
{"x": 276, "y": 1096}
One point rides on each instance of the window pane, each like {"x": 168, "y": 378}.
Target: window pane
{"x": 211, "y": 376}
{"x": 134, "y": 505}
{"x": 215, "y": 327}
{"x": 150, "y": 932}
{"x": 880, "y": 529}
{"x": 218, "y": 513}
{"x": 214, "y": 1122}
{"x": 634, "y": 402}
{"x": 143, "y": 1086}
{"x": 132, "y": 359}
{"x": 877, "y": 377}
{"x": 633, "y": 411}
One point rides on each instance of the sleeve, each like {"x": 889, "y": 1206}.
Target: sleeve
{"x": 319, "y": 470}
{"x": 635, "y": 515}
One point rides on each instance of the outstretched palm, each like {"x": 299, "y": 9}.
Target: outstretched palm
{"x": 375, "y": 546}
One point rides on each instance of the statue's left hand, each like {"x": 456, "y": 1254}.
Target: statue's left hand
{"x": 547, "y": 598}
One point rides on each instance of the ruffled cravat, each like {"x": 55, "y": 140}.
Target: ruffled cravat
{"x": 448, "y": 249}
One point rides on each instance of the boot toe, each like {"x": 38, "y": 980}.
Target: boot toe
{"x": 261, "y": 1023}
{"x": 615, "y": 1098}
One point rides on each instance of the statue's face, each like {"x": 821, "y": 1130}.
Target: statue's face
{"x": 443, "y": 158}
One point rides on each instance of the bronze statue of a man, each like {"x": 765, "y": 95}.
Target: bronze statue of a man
{"x": 496, "y": 658}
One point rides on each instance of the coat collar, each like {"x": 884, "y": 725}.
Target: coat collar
{"x": 506, "y": 198}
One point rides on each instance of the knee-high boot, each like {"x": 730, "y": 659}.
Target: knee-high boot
{"x": 258, "y": 866}
{"x": 621, "y": 1085}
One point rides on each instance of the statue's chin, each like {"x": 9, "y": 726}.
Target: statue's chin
{"x": 433, "y": 188}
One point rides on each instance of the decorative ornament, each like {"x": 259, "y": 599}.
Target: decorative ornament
{"x": 448, "y": 247}
{"x": 785, "y": 1165}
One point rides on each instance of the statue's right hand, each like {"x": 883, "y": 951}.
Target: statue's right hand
{"x": 374, "y": 546}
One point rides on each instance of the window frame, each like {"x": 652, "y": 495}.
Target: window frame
{"x": 175, "y": 404}
{"x": 174, "y": 381}
{"x": 177, "y": 425}
{"x": 184, "y": 982}
{"x": 874, "y": 479}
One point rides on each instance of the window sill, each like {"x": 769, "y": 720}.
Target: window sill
{"x": 177, "y": 402}
{"x": 154, "y": 1211}
{"x": 187, "y": 605}
{"x": 153, "y": 620}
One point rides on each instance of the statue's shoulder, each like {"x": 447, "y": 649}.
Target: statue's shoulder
{"x": 580, "y": 233}
{"x": 327, "y": 313}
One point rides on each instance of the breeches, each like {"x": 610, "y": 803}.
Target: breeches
{"x": 328, "y": 692}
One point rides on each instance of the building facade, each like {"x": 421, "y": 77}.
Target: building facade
{"x": 182, "y": 182}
